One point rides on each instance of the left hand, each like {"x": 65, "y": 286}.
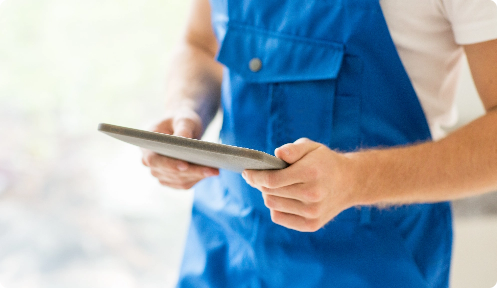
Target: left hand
{"x": 318, "y": 185}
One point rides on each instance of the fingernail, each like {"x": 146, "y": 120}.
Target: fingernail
{"x": 182, "y": 166}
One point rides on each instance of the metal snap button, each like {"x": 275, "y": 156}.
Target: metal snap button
{"x": 255, "y": 65}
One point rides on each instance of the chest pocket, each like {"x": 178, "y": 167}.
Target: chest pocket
{"x": 298, "y": 77}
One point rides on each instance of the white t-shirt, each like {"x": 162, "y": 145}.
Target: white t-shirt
{"x": 428, "y": 35}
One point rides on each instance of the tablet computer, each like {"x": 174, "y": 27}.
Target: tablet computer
{"x": 195, "y": 151}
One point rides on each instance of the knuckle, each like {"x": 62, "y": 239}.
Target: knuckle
{"x": 311, "y": 211}
{"x": 202, "y": 172}
{"x": 269, "y": 180}
{"x": 269, "y": 202}
{"x": 320, "y": 145}
{"x": 312, "y": 195}
{"x": 170, "y": 165}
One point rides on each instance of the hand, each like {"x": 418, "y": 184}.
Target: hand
{"x": 172, "y": 172}
{"x": 313, "y": 190}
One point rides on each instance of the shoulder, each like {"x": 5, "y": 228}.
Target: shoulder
{"x": 470, "y": 21}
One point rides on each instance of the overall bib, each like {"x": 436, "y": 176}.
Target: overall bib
{"x": 326, "y": 70}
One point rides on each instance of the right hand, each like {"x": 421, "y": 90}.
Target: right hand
{"x": 176, "y": 173}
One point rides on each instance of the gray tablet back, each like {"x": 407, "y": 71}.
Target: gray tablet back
{"x": 196, "y": 151}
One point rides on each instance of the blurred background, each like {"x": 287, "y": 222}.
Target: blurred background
{"x": 77, "y": 208}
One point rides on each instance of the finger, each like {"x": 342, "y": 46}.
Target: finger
{"x": 183, "y": 169}
{"x": 183, "y": 183}
{"x": 179, "y": 186}
{"x": 154, "y": 160}
{"x": 277, "y": 178}
{"x": 171, "y": 165}
{"x": 295, "y": 222}
{"x": 292, "y": 206}
{"x": 265, "y": 178}
{"x": 181, "y": 177}
{"x": 167, "y": 164}
{"x": 293, "y": 152}
{"x": 186, "y": 127}
{"x": 194, "y": 169}
{"x": 165, "y": 127}
{"x": 176, "y": 178}
{"x": 301, "y": 192}
{"x": 181, "y": 180}
{"x": 145, "y": 163}
{"x": 157, "y": 161}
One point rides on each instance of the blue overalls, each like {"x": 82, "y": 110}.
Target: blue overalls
{"x": 330, "y": 72}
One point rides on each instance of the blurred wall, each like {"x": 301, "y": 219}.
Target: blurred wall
{"x": 77, "y": 209}
{"x": 469, "y": 108}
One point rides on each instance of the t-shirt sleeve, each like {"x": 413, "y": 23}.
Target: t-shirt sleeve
{"x": 472, "y": 21}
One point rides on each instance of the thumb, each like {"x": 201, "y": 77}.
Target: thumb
{"x": 295, "y": 151}
{"x": 186, "y": 127}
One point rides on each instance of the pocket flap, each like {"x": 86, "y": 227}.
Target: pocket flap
{"x": 262, "y": 56}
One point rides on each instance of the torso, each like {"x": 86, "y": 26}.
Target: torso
{"x": 426, "y": 37}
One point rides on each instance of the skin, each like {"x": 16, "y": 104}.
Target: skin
{"x": 193, "y": 96}
{"x": 321, "y": 183}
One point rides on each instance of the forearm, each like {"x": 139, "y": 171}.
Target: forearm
{"x": 194, "y": 82}
{"x": 192, "y": 99}
{"x": 461, "y": 165}
{"x": 321, "y": 183}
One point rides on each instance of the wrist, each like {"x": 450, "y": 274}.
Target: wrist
{"x": 366, "y": 169}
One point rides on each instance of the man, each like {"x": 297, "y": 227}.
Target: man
{"x": 351, "y": 93}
